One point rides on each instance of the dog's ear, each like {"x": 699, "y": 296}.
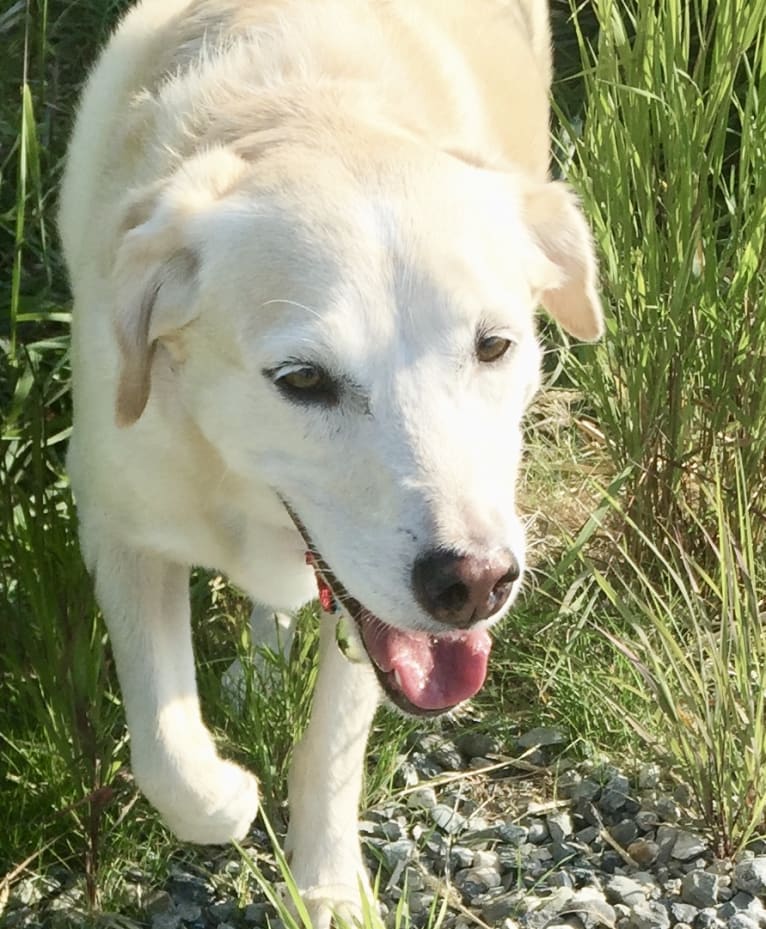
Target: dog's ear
{"x": 156, "y": 269}
{"x": 155, "y": 278}
{"x": 569, "y": 288}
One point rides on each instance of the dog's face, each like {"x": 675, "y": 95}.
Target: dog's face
{"x": 367, "y": 346}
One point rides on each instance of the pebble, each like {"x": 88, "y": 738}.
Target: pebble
{"x": 500, "y": 908}
{"x": 422, "y": 798}
{"x": 523, "y": 866}
{"x": 559, "y": 826}
{"x": 683, "y": 912}
{"x": 448, "y": 819}
{"x": 541, "y": 737}
{"x": 700, "y": 888}
{"x": 477, "y": 745}
{"x": 687, "y": 845}
{"x": 741, "y": 921}
{"x": 750, "y": 876}
{"x": 648, "y": 776}
{"x": 624, "y": 832}
{"x": 649, "y": 915}
{"x": 615, "y": 794}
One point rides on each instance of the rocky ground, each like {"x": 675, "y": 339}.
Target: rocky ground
{"x": 525, "y": 839}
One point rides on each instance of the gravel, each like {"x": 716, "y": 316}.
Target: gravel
{"x": 580, "y": 846}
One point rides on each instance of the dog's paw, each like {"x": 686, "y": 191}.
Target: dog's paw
{"x": 334, "y": 905}
{"x": 335, "y": 889}
{"x": 215, "y": 806}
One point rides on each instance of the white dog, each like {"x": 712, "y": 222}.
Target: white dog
{"x": 306, "y": 243}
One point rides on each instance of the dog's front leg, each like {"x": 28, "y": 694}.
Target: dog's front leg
{"x": 145, "y": 600}
{"x": 325, "y": 783}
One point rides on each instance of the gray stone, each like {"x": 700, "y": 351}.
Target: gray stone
{"x": 707, "y": 918}
{"x": 406, "y": 774}
{"x": 188, "y": 912}
{"x": 188, "y": 888}
{"x": 447, "y": 757}
{"x": 512, "y": 834}
{"x": 741, "y": 921}
{"x": 666, "y": 839}
{"x": 646, "y": 820}
{"x": 222, "y": 911}
{"x": 588, "y": 813}
{"x": 396, "y": 852}
{"x": 699, "y": 888}
{"x": 474, "y": 881}
{"x": 745, "y": 903}
{"x": 568, "y": 782}
{"x": 624, "y": 832}
{"x": 477, "y": 744}
{"x": 649, "y": 776}
{"x": 564, "y": 851}
{"x": 615, "y": 794}
{"x": 537, "y": 831}
{"x": 587, "y": 789}
{"x": 668, "y": 810}
{"x": 447, "y": 819}
{"x": 460, "y": 857}
{"x": 486, "y": 859}
{"x": 559, "y": 825}
{"x": 500, "y": 908}
{"x": 620, "y": 889}
{"x": 542, "y": 736}
{"x": 683, "y": 912}
{"x": 422, "y": 798}
{"x": 750, "y": 876}
{"x": 589, "y": 904}
{"x": 158, "y": 901}
{"x": 588, "y": 835}
{"x": 688, "y": 845}
{"x": 255, "y": 914}
{"x": 649, "y": 915}
{"x": 419, "y": 902}
{"x": 166, "y": 921}
{"x": 559, "y": 879}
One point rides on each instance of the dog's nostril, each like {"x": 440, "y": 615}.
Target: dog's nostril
{"x": 454, "y": 597}
{"x": 459, "y": 590}
{"x": 511, "y": 575}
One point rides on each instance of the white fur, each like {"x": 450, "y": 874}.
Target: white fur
{"x": 360, "y": 184}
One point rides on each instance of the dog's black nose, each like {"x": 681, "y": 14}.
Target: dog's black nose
{"x": 459, "y": 590}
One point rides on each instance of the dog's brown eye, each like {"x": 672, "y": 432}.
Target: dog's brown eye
{"x": 307, "y": 378}
{"x": 492, "y": 348}
{"x": 308, "y": 384}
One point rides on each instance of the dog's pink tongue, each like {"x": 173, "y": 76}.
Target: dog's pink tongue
{"x": 432, "y": 672}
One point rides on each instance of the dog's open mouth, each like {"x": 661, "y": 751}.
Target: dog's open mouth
{"x": 423, "y": 674}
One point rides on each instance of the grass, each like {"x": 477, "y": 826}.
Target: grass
{"x": 646, "y": 491}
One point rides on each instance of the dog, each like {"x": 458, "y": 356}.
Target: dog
{"x": 306, "y": 244}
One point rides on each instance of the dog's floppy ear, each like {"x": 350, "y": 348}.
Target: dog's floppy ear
{"x": 569, "y": 291}
{"x": 156, "y": 270}
{"x": 155, "y": 289}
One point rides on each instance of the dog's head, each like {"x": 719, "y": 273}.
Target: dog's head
{"x": 364, "y": 341}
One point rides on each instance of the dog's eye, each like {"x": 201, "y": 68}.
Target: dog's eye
{"x": 303, "y": 379}
{"x": 308, "y": 384}
{"x": 492, "y": 348}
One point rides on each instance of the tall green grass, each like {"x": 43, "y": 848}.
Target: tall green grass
{"x": 696, "y": 640}
{"x": 667, "y": 153}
